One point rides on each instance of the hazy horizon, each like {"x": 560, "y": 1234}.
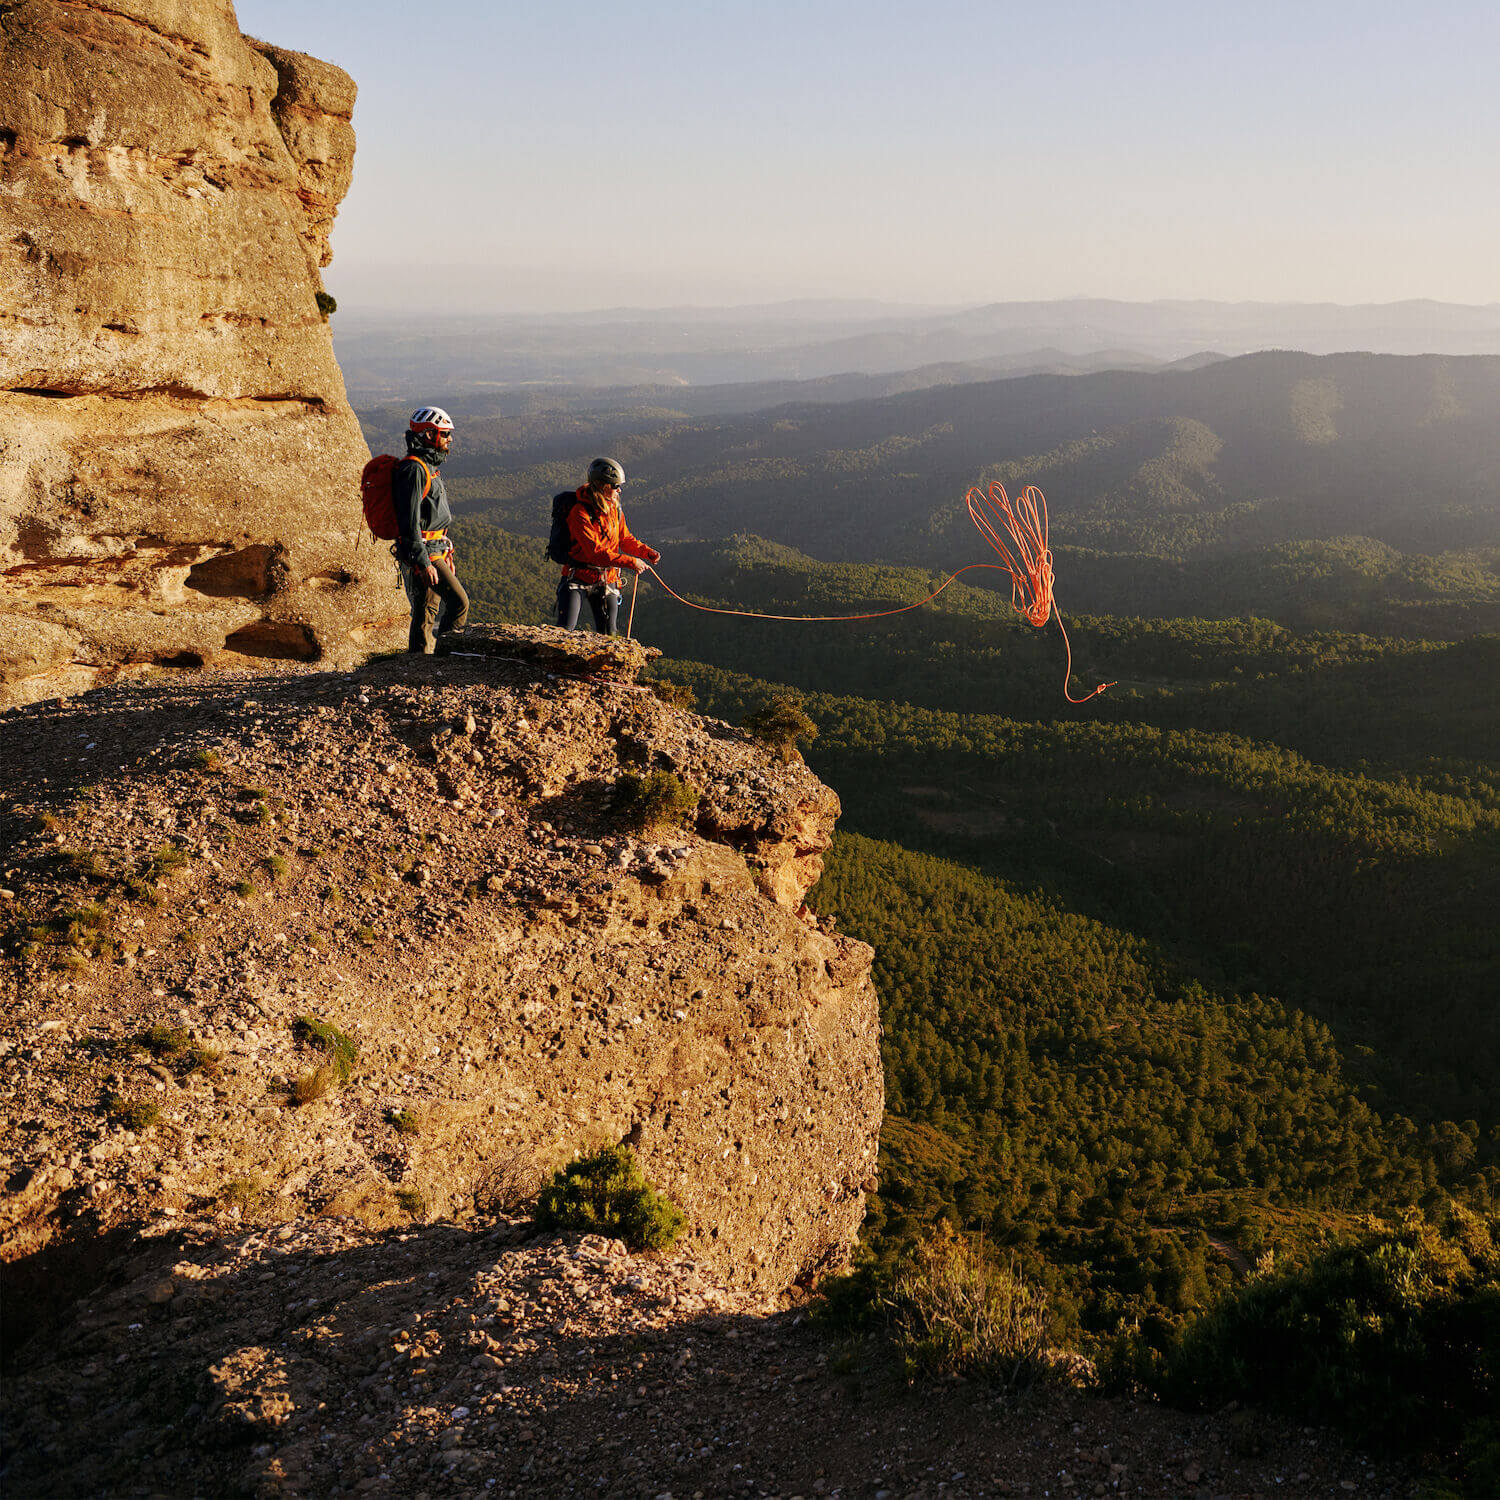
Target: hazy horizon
{"x": 591, "y": 157}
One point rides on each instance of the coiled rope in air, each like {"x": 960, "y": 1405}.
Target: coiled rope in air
{"x": 1029, "y": 566}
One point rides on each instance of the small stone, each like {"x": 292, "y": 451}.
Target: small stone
{"x": 160, "y": 1292}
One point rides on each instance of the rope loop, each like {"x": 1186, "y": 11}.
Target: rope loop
{"x": 1029, "y": 566}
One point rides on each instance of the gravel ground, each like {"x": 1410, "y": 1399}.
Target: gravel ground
{"x": 319, "y": 1357}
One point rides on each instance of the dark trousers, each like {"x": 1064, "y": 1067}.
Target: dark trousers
{"x": 602, "y": 600}
{"x": 436, "y": 609}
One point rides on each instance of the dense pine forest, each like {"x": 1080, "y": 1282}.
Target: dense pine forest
{"x": 1182, "y": 984}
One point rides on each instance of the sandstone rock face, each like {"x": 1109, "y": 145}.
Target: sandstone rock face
{"x": 426, "y": 856}
{"x": 179, "y": 465}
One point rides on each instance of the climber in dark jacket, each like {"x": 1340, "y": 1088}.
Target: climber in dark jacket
{"x": 439, "y": 605}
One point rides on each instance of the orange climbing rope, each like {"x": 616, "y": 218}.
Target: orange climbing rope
{"x": 1030, "y": 569}
{"x": 1031, "y": 575}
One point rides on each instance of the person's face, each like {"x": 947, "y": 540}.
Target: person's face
{"x": 442, "y": 440}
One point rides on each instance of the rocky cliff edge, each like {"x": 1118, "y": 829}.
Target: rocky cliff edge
{"x": 179, "y": 465}
{"x": 423, "y": 855}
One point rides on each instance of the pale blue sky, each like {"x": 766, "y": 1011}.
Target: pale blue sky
{"x": 583, "y": 154}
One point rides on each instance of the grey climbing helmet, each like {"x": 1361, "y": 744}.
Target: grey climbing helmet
{"x": 606, "y": 471}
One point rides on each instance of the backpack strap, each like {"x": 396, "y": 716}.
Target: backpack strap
{"x": 426, "y": 474}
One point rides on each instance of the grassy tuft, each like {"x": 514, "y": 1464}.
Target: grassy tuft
{"x": 276, "y": 866}
{"x": 244, "y": 888}
{"x": 133, "y": 1114}
{"x": 86, "y": 864}
{"x": 659, "y": 800}
{"x": 341, "y": 1049}
{"x": 606, "y": 1194}
{"x": 403, "y": 1122}
{"x": 305, "y": 1088}
{"x": 162, "y": 1041}
{"x": 248, "y": 1194}
{"x": 411, "y": 1202}
{"x": 205, "y": 760}
{"x": 952, "y": 1311}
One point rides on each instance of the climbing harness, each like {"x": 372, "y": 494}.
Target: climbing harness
{"x": 1029, "y": 566}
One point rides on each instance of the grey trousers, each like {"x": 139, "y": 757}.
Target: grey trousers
{"x": 436, "y": 609}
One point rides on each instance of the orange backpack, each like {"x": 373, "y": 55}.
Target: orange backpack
{"x": 375, "y": 493}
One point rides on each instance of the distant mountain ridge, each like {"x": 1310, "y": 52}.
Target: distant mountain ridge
{"x": 811, "y": 341}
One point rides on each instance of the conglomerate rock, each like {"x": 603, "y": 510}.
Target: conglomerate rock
{"x": 179, "y": 465}
{"x": 426, "y": 856}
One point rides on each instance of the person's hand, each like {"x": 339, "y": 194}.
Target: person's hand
{"x": 431, "y": 575}
{"x": 653, "y": 556}
{"x": 635, "y": 564}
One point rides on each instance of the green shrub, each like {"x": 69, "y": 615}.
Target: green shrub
{"x": 250, "y": 1195}
{"x": 327, "y": 304}
{"x": 165, "y": 861}
{"x": 1393, "y": 1336}
{"x": 655, "y": 801}
{"x": 276, "y": 865}
{"x": 341, "y": 1049}
{"x": 205, "y": 760}
{"x": 161, "y": 1041}
{"x": 780, "y": 724}
{"x": 133, "y": 1114}
{"x": 412, "y": 1202}
{"x": 403, "y": 1122}
{"x": 674, "y": 694}
{"x": 606, "y": 1194}
{"x": 244, "y": 888}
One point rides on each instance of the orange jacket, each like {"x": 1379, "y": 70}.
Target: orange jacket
{"x": 600, "y": 540}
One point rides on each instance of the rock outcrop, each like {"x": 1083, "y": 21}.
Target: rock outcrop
{"x": 179, "y": 465}
{"x": 426, "y": 856}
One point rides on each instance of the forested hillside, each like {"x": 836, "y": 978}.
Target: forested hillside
{"x": 1339, "y": 491}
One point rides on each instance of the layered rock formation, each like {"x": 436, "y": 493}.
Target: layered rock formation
{"x": 178, "y": 463}
{"x": 427, "y": 857}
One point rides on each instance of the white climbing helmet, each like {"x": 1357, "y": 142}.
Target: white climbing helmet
{"x": 430, "y": 419}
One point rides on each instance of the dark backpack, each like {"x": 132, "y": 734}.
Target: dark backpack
{"x": 375, "y": 493}
{"x": 560, "y": 538}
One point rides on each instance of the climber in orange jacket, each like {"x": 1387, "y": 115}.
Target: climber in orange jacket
{"x": 599, "y": 544}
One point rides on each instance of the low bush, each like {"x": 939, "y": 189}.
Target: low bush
{"x": 1393, "y": 1337}
{"x": 411, "y": 1202}
{"x": 133, "y": 1114}
{"x": 946, "y": 1308}
{"x": 509, "y": 1183}
{"x": 954, "y": 1312}
{"x": 780, "y": 724}
{"x": 403, "y": 1122}
{"x": 606, "y": 1194}
{"x": 674, "y": 694}
{"x": 659, "y": 800}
